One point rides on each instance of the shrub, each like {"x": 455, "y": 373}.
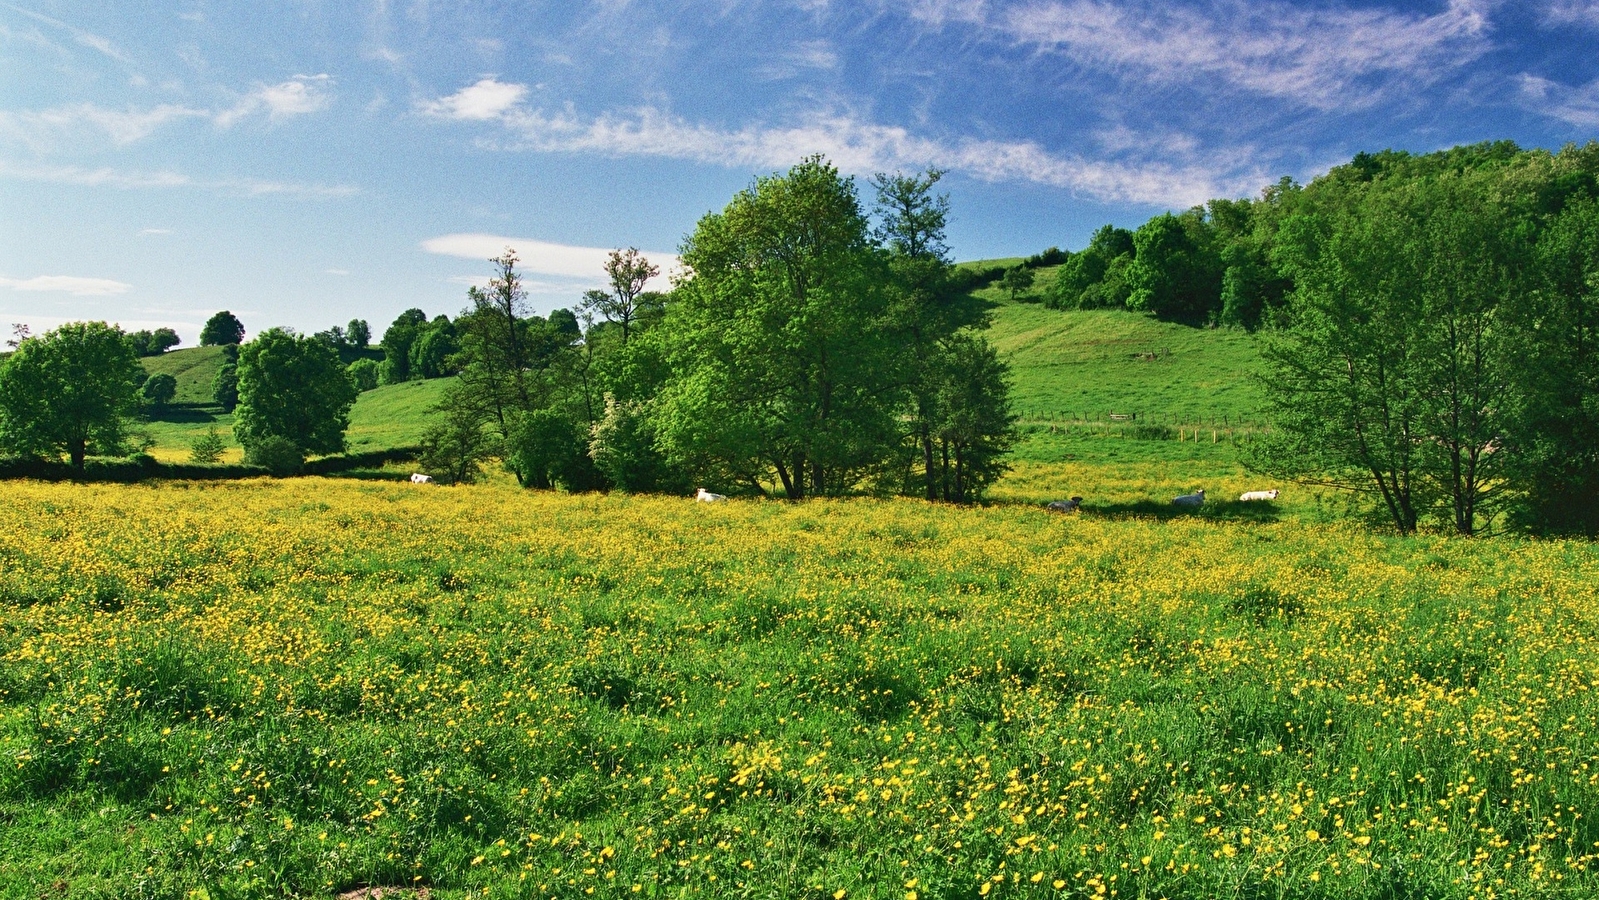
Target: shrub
{"x": 208, "y": 447}
{"x": 280, "y": 456}
{"x": 1146, "y": 432}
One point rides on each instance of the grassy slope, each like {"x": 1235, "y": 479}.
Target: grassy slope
{"x": 393, "y": 415}
{"x": 194, "y": 368}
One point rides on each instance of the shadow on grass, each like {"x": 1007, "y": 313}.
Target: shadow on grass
{"x": 371, "y": 475}
{"x": 1217, "y": 510}
{"x": 183, "y": 414}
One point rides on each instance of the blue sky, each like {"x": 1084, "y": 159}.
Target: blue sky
{"x": 303, "y": 163}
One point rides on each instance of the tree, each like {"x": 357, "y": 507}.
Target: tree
{"x": 628, "y": 271}
{"x": 976, "y": 427}
{"x": 68, "y": 391}
{"x": 358, "y": 333}
{"x": 396, "y": 345}
{"x": 1016, "y": 279}
{"x": 363, "y": 374}
{"x": 292, "y": 387}
{"x": 456, "y": 442}
{"x": 159, "y": 390}
{"x": 1084, "y": 280}
{"x": 222, "y": 329}
{"x": 153, "y": 343}
{"x": 911, "y": 218}
{"x": 1555, "y": 439}
{"x": 781, "y": 356}
{"x": 1394, "y": 378}
{"x": 225, "y": 387}
{"x": 432, "y": 350}
{"x": 622, "y": 445}
{"x": 1175, "y": 274}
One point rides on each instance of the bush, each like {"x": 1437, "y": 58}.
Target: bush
{"x": 622, "y": 445}
{"x": 208, "y": 447}
{"x": 280, "y": 456}
{"x": 364, "y": 374}
{"x": 1151, "y": 433}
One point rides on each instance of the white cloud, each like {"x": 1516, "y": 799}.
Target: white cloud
{"x": 485, "y": 100}
{"x": 43, "y": 129}
{"x": 298, "y": 96}
{"x": 584, "y": 264}
{"x": 154, "y": 231}
{"x": 1577, "y": 105}
{"x": 109, "y": 177}
{"x": 1573, "y": 12}
{"x": 338, "y": 271}
{"x": 68, "y": 284}
{"x": 1323, "y": 58}
{"x": 86, "y": 38}
{"x": 808, "y": 55}
{"x": 864, "y": 148}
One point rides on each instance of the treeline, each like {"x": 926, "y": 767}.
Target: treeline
{"x": 809, "y": 348}
{"x": 1231, "y": 262}
{"x": 1435, "y": 339}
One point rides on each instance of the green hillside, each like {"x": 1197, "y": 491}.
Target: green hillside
{"x": 1074, "y": 363}
{"x": 194, "y": 368}
{"x": 394, "y": 415}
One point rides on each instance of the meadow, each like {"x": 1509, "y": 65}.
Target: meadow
{"x": 304, "y": 687}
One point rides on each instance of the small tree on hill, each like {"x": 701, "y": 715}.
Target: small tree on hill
{"x": 159, "y": 390}
{"x": 67, "y": 391}
{"x": 222, "y": 329}
{"x": 1016, "y": 280}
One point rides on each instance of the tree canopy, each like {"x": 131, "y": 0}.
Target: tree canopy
{"x": 222, "y": 329}
{"x": 69, "y": 391}
{"x": 295, "y": 388}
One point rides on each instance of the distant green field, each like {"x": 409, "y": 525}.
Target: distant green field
{"x": 394, "y": 415}
{"x": 390, "y": 416}
{"x": 194, "y": 368}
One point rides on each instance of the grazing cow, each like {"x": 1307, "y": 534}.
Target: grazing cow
{"x": 705, "y": 496}
{"x": 1247, "y": 496}
{"x": 419, "y": 478}
{"x": 1065, "y": 506}
{"x": 1197, "y": 498}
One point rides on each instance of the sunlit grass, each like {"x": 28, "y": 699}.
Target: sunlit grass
{"x": 265, "y": 688}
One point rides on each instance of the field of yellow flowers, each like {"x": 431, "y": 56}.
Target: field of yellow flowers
{"x": 304, "y": 687}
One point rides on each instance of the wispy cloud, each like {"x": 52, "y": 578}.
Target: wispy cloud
{"x": 68, "y": 284}
{"x": 537, "y": 257}
{"x": 43, "y": 130}
{"x": 116, "y": 178}
{"x": 1320, "y": 57}
{"x": 487, "y": 99}
{"x": 858, "y": 147}
{"x": 1577, "y": 105}
{"x": 154, "y": 231}
{"x": 1573, "y": 12}
{"x": 298, "y": 96}
{"x": 86, "y": 38}
{"x": 806, "y": 56}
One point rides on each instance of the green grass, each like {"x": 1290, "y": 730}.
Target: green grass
{"x": 303, "y": 687}
{"x": 394, "y": 415}
{"x": 1071, "y": 364}
{"x": 194, "y": 368}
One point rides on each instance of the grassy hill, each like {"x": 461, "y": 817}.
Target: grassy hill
{"x": 194, "y": 368}
{"x": 1069, "y": 364}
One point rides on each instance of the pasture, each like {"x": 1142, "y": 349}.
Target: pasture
{"x": 303, "y": 687}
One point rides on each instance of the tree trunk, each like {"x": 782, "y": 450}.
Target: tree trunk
{"x": 78, "y": 449}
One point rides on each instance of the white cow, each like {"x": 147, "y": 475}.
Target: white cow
{"x": 419, "y": 478}
{"x": 1247, "y": 496}
{"x": 1065, "y": 506}
{"x": 705, "y": 496}
{"x": 1197, "y": 498}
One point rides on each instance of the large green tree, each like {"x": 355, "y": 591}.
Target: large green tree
{"x": 780, "y": 349}
{"x": 295, "y": 388}
{"x": 222, "y": 329}
{"x": 1396, "y": 373}
{"x": 69, "y": 391}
